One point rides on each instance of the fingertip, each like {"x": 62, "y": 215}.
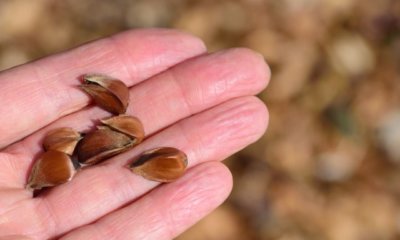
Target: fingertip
{"x": 162, "y": 32}
{"x": 235, "y": 124}
{"x": 200, "y": 191}
{"x": 216, "y": 173}
{"x": 224, "y": 174}
{"x": 259, "y": 111}
{"x": 139, "y": 40}
{"x": 254, "y": 65}
{"x": 191, "y": 41}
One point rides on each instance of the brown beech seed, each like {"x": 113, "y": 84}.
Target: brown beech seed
{"x": 51, "y": 169}
{"x": 62, "y": 140}
{"x": 109, "y": 93}
{"x": 128, "y": 125}
{"x": 164, "y": 164}
{"x": 101, "y": 144}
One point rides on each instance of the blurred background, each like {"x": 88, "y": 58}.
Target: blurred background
{"x": 329, "y": 165}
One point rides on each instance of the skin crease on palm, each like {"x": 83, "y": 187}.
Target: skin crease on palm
{"x": 187, "y": 98}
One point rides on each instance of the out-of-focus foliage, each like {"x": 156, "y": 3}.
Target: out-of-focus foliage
{"x": 328, "y": 168}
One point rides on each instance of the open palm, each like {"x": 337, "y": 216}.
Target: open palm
{"x": 186, "y": 98}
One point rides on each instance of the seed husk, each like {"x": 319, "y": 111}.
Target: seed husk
{"x": 109, "y": 93}
{"x": 101, "y": 144}
{"x": 128, "y": 125}
{"x": 165, "y": 164}
{"x": 62, "y": 140}
{"x": 51, "y": 169}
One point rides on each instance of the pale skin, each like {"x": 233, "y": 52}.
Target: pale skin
{"x": 187, "y": 98}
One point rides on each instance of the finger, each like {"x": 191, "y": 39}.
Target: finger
{"x": 210, "y": 135}
{"x": 185, "y": 89}
{"x": 167, "y": 211}
{"x": 35, "y": 94}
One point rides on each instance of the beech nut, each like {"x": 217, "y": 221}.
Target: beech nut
{"x": 164, "y": 164}
{"x": 128, "y": 125}
{"x": 101, "y": 144}
{"x": 116, "y": 135}
{"x": 109, "y": 93}
{"x": 62, "y": 140}
{"x": 51, "y": 169}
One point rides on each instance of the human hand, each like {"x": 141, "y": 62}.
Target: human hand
{"x": 186, "y": 98}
